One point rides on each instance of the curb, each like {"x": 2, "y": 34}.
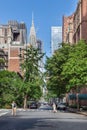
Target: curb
{"x": 82, "y": 113}
{"x": 76, "y": 111}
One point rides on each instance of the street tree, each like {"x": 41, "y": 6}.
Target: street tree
{"x": 56, "y": 83}
{"x": 32, "y": 75}
{"x": 10, "y": 84}
{"x": 75, "y": 68}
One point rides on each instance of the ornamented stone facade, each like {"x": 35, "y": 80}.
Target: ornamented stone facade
{"x": 13, "y": 36}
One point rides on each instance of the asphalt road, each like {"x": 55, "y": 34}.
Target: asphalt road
{"x": 43, "y": 120}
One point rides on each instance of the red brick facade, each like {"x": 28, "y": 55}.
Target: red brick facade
{"x": 79, "y": 31}
{"x": 14, "y": 59}
{"x": 67, "y": 29}
{"x": 79, "y": 24}
{"x": 13, "y": 36}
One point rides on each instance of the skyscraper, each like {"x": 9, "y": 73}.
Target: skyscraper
{"x": 33, "y": 40}
{"x": 56, "y": 38}
{"x": 32, "y": 36}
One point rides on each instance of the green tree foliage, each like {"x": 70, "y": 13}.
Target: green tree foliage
{"x": 2, "y": 61}
{"x": 67, "y": 68}
{"x": 55, "y": 82}
{"x": 76, "y": 66}
{"x": 12, "y": 87}
{"x": 10, "y": 83}
{"x": 32, "y": 74}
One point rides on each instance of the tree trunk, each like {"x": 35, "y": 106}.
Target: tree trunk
{"x": 25, "y": 102}
{"x": 77, "y": 102}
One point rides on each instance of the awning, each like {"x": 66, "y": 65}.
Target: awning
{"x": 72, "y": 96}
{"x": 82, "y": 96}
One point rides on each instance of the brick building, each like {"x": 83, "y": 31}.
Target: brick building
{"x": 75, "y": 29}
{"x": 67, "y": 29}
{"x": 14, "y": 58}
{"x": 80, "y": 21}
{"x": 13, "y": 36}
{"x": 75, "y": 26}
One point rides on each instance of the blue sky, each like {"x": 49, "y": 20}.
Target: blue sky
{"x": 47, "y": 13}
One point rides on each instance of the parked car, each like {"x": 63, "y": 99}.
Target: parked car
{"x": 33, "y": 105}
{"x": 61, "y": 106}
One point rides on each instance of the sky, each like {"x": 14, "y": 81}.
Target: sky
{"x": 46, "y": 13}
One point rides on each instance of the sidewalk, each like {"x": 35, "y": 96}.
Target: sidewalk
{"x": 83, "y": 113}
{"x": 3, "y": 112}
{"x": 78, "y": 112}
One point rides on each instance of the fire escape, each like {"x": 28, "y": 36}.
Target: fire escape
{"x": 3, "y": 60}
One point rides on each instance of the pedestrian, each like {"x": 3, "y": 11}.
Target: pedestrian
{"x": 14, "y": 108}
{"x": 54, "y": 107}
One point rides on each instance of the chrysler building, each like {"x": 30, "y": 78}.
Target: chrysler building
{"x": 32, "y": 36}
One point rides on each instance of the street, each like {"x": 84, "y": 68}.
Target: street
{"x": 43, "y": 120}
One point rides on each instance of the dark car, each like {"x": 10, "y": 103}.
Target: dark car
{"x": 61, "y": 106}
{"x": 33, "y": 105}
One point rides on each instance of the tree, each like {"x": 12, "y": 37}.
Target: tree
{"x": 67, "y": 68}
{"x": 32, "y": 74}
{"x": 76, "y": 66}
{"x": 56, "y": 83}
{"x": 10, "y": 84}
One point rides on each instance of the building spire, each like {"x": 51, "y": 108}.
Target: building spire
{"x": 32, "y": 36}
{"x": 32, "y": 19}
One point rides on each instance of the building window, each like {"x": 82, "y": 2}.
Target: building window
{"x": 5, "y": 41}
{"x": 5, "y": 32}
